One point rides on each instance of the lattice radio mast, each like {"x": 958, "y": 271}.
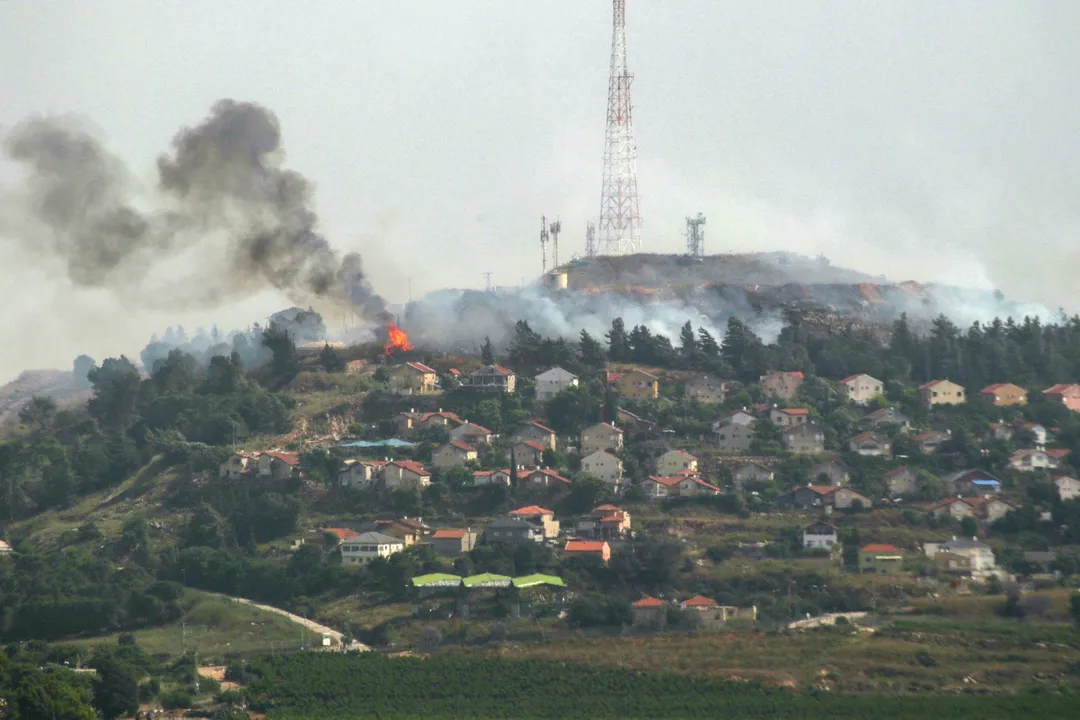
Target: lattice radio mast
{"x": 620, "y": 218}
{"x": 590, "y": 239}
{"x": 695, "y": 236}
{"x": 543, "y": 240}
{"x": 555, "y": 228}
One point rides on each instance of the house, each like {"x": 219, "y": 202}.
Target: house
{"x": 491, "y": 477}
{"x": 587, "y": 548}
{"x": 752, "y": 474}
{"x": 736, "y": 432}
{"x": 528, "y": 453}
{"x": 552, "y": 382}
{"x": 709, "y": 613}
{"x": 979, "y": 556}
{"x": 541, "y": 517}
{"x": 1032, "y": 460}
{"x": 941, "y": 392}
{"x": 930, "y": 441}
{"x": 407, "y": 422}
{"x": 342, "y": 534}
{"x": 820, "y": 536}
{"x": 279, "y": 465}
{"x": 413, "y": 378}
{"x": 405, "y": 473}
{"x": 1002, "y": 394}
{"x": 365, "y": 547}
{"x": 493, "y": 378}
{"x": 832, "y": 472}
{"x": 605, "y": 522}
{"x": 971, "y": 482}
{"x": 981, "y": 508}
{"x": 239, "y": 464}
{"x": 1067, "y": 486}
{"x": 694, "y": 486}
{"x": 989, "y": 508}
{"x": 602, "y": 436}
{"x": 513, "y": 530}
{"x": 706, "y": 389}
{"x": 537, "y": 433}
{"x": 783, "y": 385}
{"x": 675, "y": 462}
{"x": 786, "y": 417}
{"x": 648, "y": 612}
{"x": 605, "y": 466}
{"x": 545, "y": 477}
{"x": 868, "y": 444}
{"x": 880, "y": 559}
{"x": 361, "y": 473}
{"x": 409, "y": 530}
{"x": 658, "y": 487}
{"x": 5, "y": 548}
{"x": 1001, "y": 431}
{"x": 888, "y": 416}
{"x": 814, "y": 496}
{"x": 804, "y": 439}
{"x": 632, "y": 422}
{"x": 454, "y": 454}
{"x": 861, "y": 389}
{"x": 1069, "y": 395}
{"x": 1059, "y": 454}
{"x": 637, "y": 384}
{"x": 901, "y": 481}
{"x": 1039, "y": 434}
{"x": 472, "y": 434}
{"x": 953, "y": 508}
{"x": 450, "y": 542}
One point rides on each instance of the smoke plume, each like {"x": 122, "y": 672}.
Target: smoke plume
{"x": 221, "y": 187}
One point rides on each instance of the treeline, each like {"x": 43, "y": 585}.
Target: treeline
{"x": 329, "y": 685}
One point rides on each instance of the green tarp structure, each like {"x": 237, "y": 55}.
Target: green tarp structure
{"x": 487, "y": 580}
{"x": 436, "y": 580}
{"x": 533, "y": 580}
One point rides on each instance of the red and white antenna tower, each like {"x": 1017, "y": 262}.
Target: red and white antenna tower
{"x": 620, "y": 218}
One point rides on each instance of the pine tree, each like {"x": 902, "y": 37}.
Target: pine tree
{"x": 688, "y": 346}
{"x": 618, "y": 343}
{"x": 590, "y": 352}
{"x": 487, "y": 352}
{"x": 707, "y": 344}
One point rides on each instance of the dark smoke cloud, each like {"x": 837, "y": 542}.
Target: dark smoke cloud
{"x": 221, "y": 181}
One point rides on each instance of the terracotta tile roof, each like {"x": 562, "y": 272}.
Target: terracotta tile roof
{"x": 823, "y": 489}
{"x": 991, "y": 389}
{"x": 533, "y": 445}
{"x": 341, "y": 533}
{"x": 474, "y": 429}
{"x": 668, "y": 481}
{"x": 455, "y": 372}
{"x": 449, "y": 534}
{"x": 1058, "y": 389}
{"x": 591, "y": 546}
{"x": 545, "y": 428}
{"x": 605, "y": 508}
{"x": 1058, "y": 454}
{"x": 930, "y": 434}
{"x": 421, "y": 367}
{"x": 502, "y": 370}
{"x": 412, "y": 466}
{"x": 548, "y": 473}
{"x": 648, "y": 602}
{"x": 880, "y": 548}
{"x": 932, "y": 383}
{"x": 530, "y": 510}
{"x": 700, "y": 601}
{"x": 289, "y": 458}
{"x": 894, "y": 471}
{"x": 850, "y": 378}
{"x": 462, "y": 446}
{"x": 609, "y": 426}
{"x": 794, "y": 411}
{"x": 684, "y": 454}
{"x": 702, "y": 483}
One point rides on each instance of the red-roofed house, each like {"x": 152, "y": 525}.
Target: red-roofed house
{"x": 881, "y": 559}
{"x": 413, "y": 378}
{"x": 361, "y": 473}
{"x": 1002, "y": 394}
{"x": 605, "y": 522}
{"x": 587, "y": 548}
{"x": 605, "y": 466}
{"x": 786, "y": 417}
{"x": 870, "y": 445}
{"x": 454, "y": 454}
{"x": 693, "y": 486}
{"x": 528, "y": 454}
{"x": 815, "y": 496}
{"x": 452, "y": 542}
{"x": 658, "y": 487}
{"x": 537, "y": 433}
{"x": 405, "y": 473}
{"x": 649, "y": 612}
{"x": 472, "y": 434}
{"x": 546, "y": 477}
{"x": 942, "y": 392}
{"x": 929, "y": 441}
{"x": 541, "y": 517}
{"x": 602, "y": 436}
{"x": 636, "y": 384}
{"x": 279, "y": 465}
{"x": 493, "y": 378}
{"x": 676, "y": 462}
{"x": 784, "y": 385}
{"x": 340, "y": 533}
{"x": 239, "y": 464}
{"x": 1069, "y": 395}
{"x": 861, "y": 389}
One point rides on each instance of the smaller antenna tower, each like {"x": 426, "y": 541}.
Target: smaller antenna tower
{"x": 543, "y": 240}
{"x": 695, "y": 236}
{"x": 555, "y": 228}
{"x": 590, "y": 239}
{"x": 487, "y": 278}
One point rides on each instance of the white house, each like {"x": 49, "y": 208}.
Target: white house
{"x": 602, "y": 436}
{"x": 675, "y": 462}
{"x": 554, "y": 381}
{"x": 364, "y": 548}
{"x": 735, "y": 432}
{"x": 405, "y": 473}
{"x": 870, "y": 445}
{"x": 1067, "y": 487}
{"x": 453, "y": 454}
{"x": 1028, "y": 460}
{"x": 361, "y": 473}
{"x": 820, "y": 535}
{"x": 979, "y": 555}
{"x": 861, "y": 389}
{"x": 603, "y": 465}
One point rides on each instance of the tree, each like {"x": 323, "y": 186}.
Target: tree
{"x": 116, "y": 691}
{"x": 175, "y": 374}
{"x": 1074, "y": 607}
{"x": 707, "y": 344}
{"x": 487, "y": 352}
{"x": 590, "y": 352}
{"x": 80, "y": 371}
{"x": 116, "y": 391}
{"x": 618, "y": 342}
{"x": 38, "y": 415}
{"x": 571, "y": 410}
{"x": 688, "y": 346}
{"x": 331, "y": 360}
{"x": 282, "y": 350}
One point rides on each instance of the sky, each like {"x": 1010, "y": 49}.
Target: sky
{"x": 919, "y": 140}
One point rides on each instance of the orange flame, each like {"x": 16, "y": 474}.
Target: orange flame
{"x": 396, "y": 339}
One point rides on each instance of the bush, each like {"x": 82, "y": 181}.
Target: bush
{"x": 430, "y": 638}
{"x": 176, "y": 700}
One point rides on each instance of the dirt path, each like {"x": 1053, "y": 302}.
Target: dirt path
{"x": 337, "y": 639}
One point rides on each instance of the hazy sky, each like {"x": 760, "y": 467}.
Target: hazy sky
{"x": 922, "y": 139}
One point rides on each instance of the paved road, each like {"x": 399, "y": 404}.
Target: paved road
{"x": 337, "y": 639}
{"x": 829, "y": 619}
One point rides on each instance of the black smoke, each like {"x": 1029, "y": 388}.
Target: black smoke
{"x": 222, "y": 181}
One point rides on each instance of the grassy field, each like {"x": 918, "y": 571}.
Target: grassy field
{"x": 215, "y": 626}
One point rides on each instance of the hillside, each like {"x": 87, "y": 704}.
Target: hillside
{"x": 56, "y": 384}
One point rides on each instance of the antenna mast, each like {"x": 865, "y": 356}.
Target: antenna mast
{"x": 543, "y": 240}
{"x": 555, "y": 228}
{"x": 620, "y": 218}
{"x": 590, "y": 239}
{"x": 695, "y": 236}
